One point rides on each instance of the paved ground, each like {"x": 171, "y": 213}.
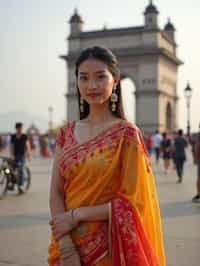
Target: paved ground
{"x": 24, "y": 231}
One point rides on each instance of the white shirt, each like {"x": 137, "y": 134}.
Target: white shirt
{"x": 157, "y": 138}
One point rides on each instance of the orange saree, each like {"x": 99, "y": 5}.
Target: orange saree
{"x": 112, "y": 167}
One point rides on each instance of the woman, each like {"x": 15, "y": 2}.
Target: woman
{"x": 166, "y": 149}
{"x": 149, "y": 144}
{"x": 103, "y": 201}
{"x": 44, "y": 146}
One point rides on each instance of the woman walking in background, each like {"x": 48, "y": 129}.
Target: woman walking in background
{"x": 166, "y": 149}
{"x": 44, "y": 146}
{"x": 149, "y": 144}
{"x": 103, "y": 201}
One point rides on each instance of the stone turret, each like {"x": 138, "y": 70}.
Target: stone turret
{"x": 170, "y": 30}
{"x": 151, "y": 16}
{"x": 76, "y": 24}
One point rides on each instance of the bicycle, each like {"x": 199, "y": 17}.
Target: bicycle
{"x": 9, "y": 176}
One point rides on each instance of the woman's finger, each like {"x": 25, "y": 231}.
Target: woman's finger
{"x": 58, "y": 233}
{"x": 56, "y": 236}
{"x": 53, "y": 226}
{"x": 55, "y": 232}
{"x": 51, "y": 222}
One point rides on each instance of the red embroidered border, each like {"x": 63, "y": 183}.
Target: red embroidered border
{"x": 130, "y": 245}
{"x": 73, "y": 153}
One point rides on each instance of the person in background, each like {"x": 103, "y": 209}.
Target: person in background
{"x": 166, "y": 151}
{"x": 179, "y": 154}
{"x": 19, "y": 149}
{"x": 174, "y": 135}
{"x": 1, "y": 143}
{"x": 149, "y": 144}
{"x": 52, "y": 142}
{"x": 157, "y": 138}
{"x": 196, "y": 198}
{"x": 6, "y": 142}
{"x": 44, "y": 146}
{"x": 192, "y": 141}
{"x": 31, "y": 141}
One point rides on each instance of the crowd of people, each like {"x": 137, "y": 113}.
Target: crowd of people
{"x": 172, "y": 149}
{"x": 45, "y": 143}
{"x": 42, "y": 143}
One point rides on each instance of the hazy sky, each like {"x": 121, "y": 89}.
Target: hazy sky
{"x": 33, "y": 34}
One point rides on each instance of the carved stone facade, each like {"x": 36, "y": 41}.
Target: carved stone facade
{"x": 146, "y": 55}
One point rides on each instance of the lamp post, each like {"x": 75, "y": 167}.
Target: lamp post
{"x": 50, "y": 109}
{"x": 188, "y": 95}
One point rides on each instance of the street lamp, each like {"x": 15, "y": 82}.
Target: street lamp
{"x": 188, "y": 95}
{"x": 50, "y": 118}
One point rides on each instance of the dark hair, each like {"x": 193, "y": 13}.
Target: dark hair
{"x": 106, "y": 56}
{"x": 18, "y": 125}
{"x": 180, "y": 132}
{"x": 198, "y": 136}
{"x": 164, "y": 134}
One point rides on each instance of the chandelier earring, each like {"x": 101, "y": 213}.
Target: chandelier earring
{"x": 114, "y": 99}
{"x": 81, "y": 105}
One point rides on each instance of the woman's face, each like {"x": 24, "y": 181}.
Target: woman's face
{"x": 95, "y": 81}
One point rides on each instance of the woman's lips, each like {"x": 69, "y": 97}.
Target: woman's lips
{"x": 93, "y": 95}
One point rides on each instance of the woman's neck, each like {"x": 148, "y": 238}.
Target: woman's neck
{"x": 99, "y": 113}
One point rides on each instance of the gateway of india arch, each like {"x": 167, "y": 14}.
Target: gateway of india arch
{"x": 146, "y": 55}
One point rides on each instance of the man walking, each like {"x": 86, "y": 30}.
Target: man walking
{"x": 179, "y": 154}
{"x": 19, "y": 148}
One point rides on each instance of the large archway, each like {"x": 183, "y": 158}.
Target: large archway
{"x": 146, "y": 53}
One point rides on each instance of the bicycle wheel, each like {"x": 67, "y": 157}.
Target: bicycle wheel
{"x": 27, "y": 178}
{"x": 3, "y": 183}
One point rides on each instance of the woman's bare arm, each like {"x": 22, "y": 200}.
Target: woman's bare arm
{"x": 94, "y": 213}
{"x": 68, "y": 253}
{"x": 56, "y": 198}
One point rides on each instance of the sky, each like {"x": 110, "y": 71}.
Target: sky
{"x": 33, "y": 34}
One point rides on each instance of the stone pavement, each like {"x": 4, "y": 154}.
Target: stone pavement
{"x": 24, "y": 230}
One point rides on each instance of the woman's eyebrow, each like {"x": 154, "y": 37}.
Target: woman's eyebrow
{"x": 97, "y": 72}
{"x": 83, "y": 73}
{"x": 100, "y": 71}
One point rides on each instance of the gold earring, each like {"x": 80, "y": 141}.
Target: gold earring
{"x": 114, "y": 99}
{"x": 81, "y": 105}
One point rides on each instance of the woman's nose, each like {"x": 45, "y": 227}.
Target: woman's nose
{"x": 92, "y": 85}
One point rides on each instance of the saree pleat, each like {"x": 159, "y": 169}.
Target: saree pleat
{"x": 112, "y": 167}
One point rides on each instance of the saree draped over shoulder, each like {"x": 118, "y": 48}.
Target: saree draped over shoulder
{"x": 112, "y": 167}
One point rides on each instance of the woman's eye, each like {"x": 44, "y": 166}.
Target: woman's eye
{"x": 83, "y": 78}
{"x": 101, "y": 77}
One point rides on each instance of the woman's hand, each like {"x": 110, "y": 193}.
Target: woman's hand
{"x": 72, "y": 261}
{"x": 62, "y": 224}
{"x": 68, "y": 252}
